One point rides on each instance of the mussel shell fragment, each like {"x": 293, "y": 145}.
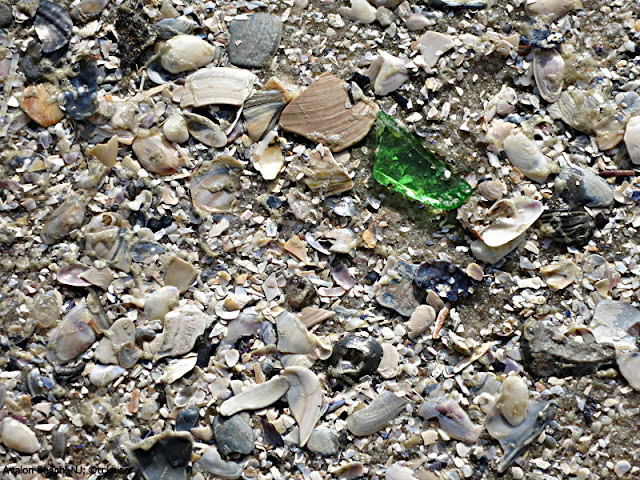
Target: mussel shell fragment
{"x": 53, "y": 25}
{"x": 568, "y": 226}
{"x": 82, "y": 101}
{"x": 354, "y": 357}
{"x": 162, "y": 456}
{"x": 446, "y": 279}
{"x": 548, "y": 70}
{"x": 581, "y": 187}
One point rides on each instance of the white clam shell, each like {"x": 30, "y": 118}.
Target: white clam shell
{"x": 508, "y": 219}
{"x": 205, "y": 131}
{"x": 158, "y": 303}
{"x": 260, "y": 396}
{"x": 103, "y": 375}
{"x": 217, "y": 86}
{"x": 373, "y": 418}
{"x": 632, "y": 139}
{"x": 269, "y": 162}
{"x": 524, "y": 154}
{"x": 360, "y": 11}
{"x": 551, "y": 9}
{"x": 17, "y": 436}
{"x": 186, "y": 52}
{"x": 305, "y": 399}
{"x": 548, "y": 70}
{"x": 513, "y": 399}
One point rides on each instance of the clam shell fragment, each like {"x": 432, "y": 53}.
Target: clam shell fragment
{"x": 156, "y": 154}
{"x": 66, "y": 218}
{"x": 513, "y": 399}
{"x": 17, "y": 436}
{"x": 217, "y": 86}
{"x": 74, "y": 335}
{"x": 508, "y": 219}
{"x": 452, "y": 418}
{"x": 632, "y": 139}
{"x": 260, "y": 396}
{"x": 377, "y": 415}
{"x": 214, "y": 185}
{"x": 548, "y": 70}
{"x": 305, "y": 400}
{"x": 40, "y": 102}
{"x": 186, "y": 52}
{"x": 323, "y": 113}
{"x": 262, "y": 110}
{"x": 581, "y": 187}
{"x": 524, "y": 154}
{"x": 205, "y": 130}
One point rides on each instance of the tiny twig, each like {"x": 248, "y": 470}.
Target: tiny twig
{"x": 617, "y": 173}
{"x": 442, "y": 316}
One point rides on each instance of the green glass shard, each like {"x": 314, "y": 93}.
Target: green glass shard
{"x": 404, "y": 165}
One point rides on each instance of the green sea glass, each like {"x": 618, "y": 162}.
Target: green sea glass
{"x": 404, "y": 165}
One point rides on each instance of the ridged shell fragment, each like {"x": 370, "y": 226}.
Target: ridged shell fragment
{"x": 156, "y": 154}
{"x": 262, "y": 110}
{"x": 632, "y": 139}
{"x": 74, "y": 335}
{"x": 305, "y": 400}
{"x": 186, "y": 52}
{"x": 579, "y": 186}
{"x": 524, "y": 154}
{"x": 40, "y": 102}
{"x": 326, "y": 175}
{"x": 214, "y": 184}
{"x": 217, "y": 86}
{"x": 64, "y": 219}
{"x": 571, "y": 227}
{"x": 508, "y": 219}
{"x": 17, "y": 436}
{"x": 377, "y": 415}
{"x": 205, "y": 131}
{"x": 548, "y": 70}
{"x": 260, "y": 396}
{"x": 53, "y": 26}
{"x": 323, "y": 113}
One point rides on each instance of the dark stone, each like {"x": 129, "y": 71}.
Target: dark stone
{"x": 135, "y": 37}
{"x": 6, "y": 15}
{"x": 254, "y": 42}
{"x": 233, "y": 435}
{"x": 270, "y": 434}
{"x": 156, "y": 224}
{"x": 187, "y": 419}
{"x": 354, "y": 357}
{"x": 274, "y": 202}
{"x": 545, "y": 357}
{"x": 444, "y": 278}
{"x": 81, "y": 101}
{"x": 164, "y": 456}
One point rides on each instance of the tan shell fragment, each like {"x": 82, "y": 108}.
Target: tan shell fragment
{"x": 326, "y": 175}
{"x": 107, "y": 153}
{"x": 262, "y": 110}
{"x": 305, "y": 400}
{"x": 389, "y": 365}
{"x": 551, "y": 9}
{"x": 214, "y": 184}
{"x": 548, "y": 70}
{"x": 269, "y": 163}
{"x": 182, "y": 327}
{"x": 297, "y": 248}
{"x": 180, "y": 274}
{"x": 323, "y": 113}
{"x": 66, "y": 218}
{"x": 186, "y": 52}
{"x": 156, "y": 154}
{"x": 434, "y": 44}
{"x": 560, "y": 275}
{"x": 217, "y": 86}
{"x": 258, "y": 397}
{"x": 507, "y": 219}
{"x": 293, "y": 336}
{"x": 40, "y": 102}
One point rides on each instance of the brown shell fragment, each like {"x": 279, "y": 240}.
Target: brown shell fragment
{"x": 41, "y": 104}
{"x": 323, "y": 113}
{"x": 156, "y": 154}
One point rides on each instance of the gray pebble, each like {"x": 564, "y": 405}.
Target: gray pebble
{"x": 254, "y": 42}
{"x": 233, "y": 435}
{"x": 323, "y": 442}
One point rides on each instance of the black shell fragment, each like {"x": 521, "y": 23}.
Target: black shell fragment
{"x": 570, "y": 227}
{"x": 163, "y": 456}
{"x": 354, "y": 357}
{"x": 444, "y": 278}
{"x": 82, "y": 100}
{"x": 53, "y": 26}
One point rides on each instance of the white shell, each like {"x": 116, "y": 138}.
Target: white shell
{"x": 158, "y": 303}
{"x": 432, "y": 45}
{"x": 17, "y": 436}
{"x": 103, "y": 375}
{"x": 629, "y": 365}
{"x": 513, "y": 399}
{"x": 260, "y": 396}
{"x": 217, "y": 86}
{"x": 293, "y": 336}
{"x": 212, "y": 462}
{"x": 548, "y": 70}
{"x": 186, "y": 52}
{"x": 508, "y": 219}
{"x": 182, "y": 327}
{"x": 205, "y": 131}
{"x": 389, "y": 365}
{"x": 492, "y": 255}
{"x": 269, "y": 162}
{"x": 175, "y": 129}
{"x": 373, "y": 418}
{"x": 632, "y": 139}
{"x": 305, "y": 399}
{"x": 156, "y": 154}
{"x": 360, "y": 11}
{"x": 524, "y": 154}
{"x": 387, "y": 73}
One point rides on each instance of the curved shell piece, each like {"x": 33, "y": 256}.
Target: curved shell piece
{"x": 214, "y": 185}
{"x": 524, "y": 154}
{"x": 580, "y": 186}
{"x": 74, "y": 335}
{"x": 373, "y": 418}
{"x": 305, "y": 399}
{"x": 387, "y": 73}
{"x": 71, "y": 274}
{"x": 17, "y": 436}
{"x": 513, "y": 399}
{"x": 632, "y": 139}
{"x": 186, "y": 52}
{"x": 508, "y": 219}
{"x": 40, "y": 102}
{"x": 629, "y": 365}
{"x": 175, "y": 129}
{"x": 156, "y": 154}
{"x": 551, "y": 9}
{"x": 548, "y": 70}
{"x": 260, "y": 396}
{"x": 66, "y": 218}
{"x": 212, "y": 462}
{"x": 217, "y": 86}
{"x": 452, "y": 419}
{"x": 53, "y": 26}
{"x": 205, "y": 131}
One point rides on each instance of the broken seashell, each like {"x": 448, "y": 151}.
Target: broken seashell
{"x": 433, "y": 45}
{"x": 293, "y": 336}
{"x": 107, "y": 153}
{"x": 444, "y": 278}
{"x": 571, "y": 227}
{"x": 182, "y": 327}
{"x": 103, "y": 375}
{"x": 551, "y": 10}
{"x": 396, "y": 289}
{"x": 360, "y": 11}
{"x": 156, "y": 154}
{"x": 632, "y": 139}
{"x": 178, "y": 369}
{"x": 297, "y": 248}
{"x": 629, "y": 365}
{"x": 17, "y": 436}
{"x": 421, "y": 318}
{"x": 515, "y": 440}
{"x": 262, "y": 110}
{"x": 260, "y": 396}
{"x": 513, "y": 399}
{"x": 160, "y": 302}
{"x": 107, "y": 238}
{"x": 186, "y": 52}
{"x": 217, "y": 86}
{"x": 387, "y": 73}
{"x": 180, "y": 274}
{"x": 326, "y": 175}
{"x": 492, "y": 255}
{"x": 212, "y": 462}
{"x": 213, "y": 185}
{"x": 205, "y": 131}
{"x": 355, "y": 357}
{"x": 175, "y": 129}
{"x": 53, "y": 26}
{"x": 323, "y": 113}
{"x": 74, "y": 335}
{"x": 66, "y": 218}
{"x": 524, "y": 154}
{"x": 40, "y": 102}
{"x": 548, "y": 70}
{"x": 269, "y": 163}
{"x": 508, "y": 219}
{"x": 88, "y": 9}
{"x": 452, "y": 419}
{"x": 170, "y": 27}
{"x": 491, "y": 190}
{"x": 162, "y": 456}
{"x": 389, "y": 365}
{"x": 377, "y": 415}
{"x": 340, "y": 274}
{"x": 560, "y": 275}
{"x": 615, "y": 322}
{"x": 69, "y": 274}
{"x": 305, "y": 400}
{"x": 582, "y": 187}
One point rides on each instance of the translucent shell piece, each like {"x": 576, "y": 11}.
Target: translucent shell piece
{"x": 404, "y": 165}
{"x": 508, "y": 219}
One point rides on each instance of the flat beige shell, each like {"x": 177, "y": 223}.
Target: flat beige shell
{"x": 217, "y": 86}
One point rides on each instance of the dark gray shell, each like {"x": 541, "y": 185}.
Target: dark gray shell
{"x": 254, "y": 42}
{"x": 571, "y": 227}
{"x": 53, "y": 26}
{"x": 354, "y": 357}
{"x": 582, "y": 187}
